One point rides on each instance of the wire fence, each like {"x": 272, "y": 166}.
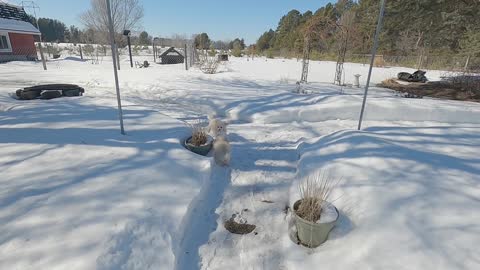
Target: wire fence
{"x": 190, "y": 56}
{"x": 98, "y": 53}
{"x": 22, "y": 53}
{"x": 429, "y": 62}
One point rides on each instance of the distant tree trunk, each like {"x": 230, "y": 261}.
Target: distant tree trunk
{"x": 466, "y": 63}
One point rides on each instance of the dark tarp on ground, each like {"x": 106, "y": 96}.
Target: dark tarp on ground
{"x": 417, "y": 76}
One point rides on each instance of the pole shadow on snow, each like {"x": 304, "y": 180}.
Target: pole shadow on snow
{"x": 60, "y": 185}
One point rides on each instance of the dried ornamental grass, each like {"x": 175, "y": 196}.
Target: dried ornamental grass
{"x": 199, "y": 135}
{"x": 315, "y": 190}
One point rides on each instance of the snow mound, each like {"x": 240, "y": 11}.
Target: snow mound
{"x": 408, "y": 195}
{"x": 331, "y": 105}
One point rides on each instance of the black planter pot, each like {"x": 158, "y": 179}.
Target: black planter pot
{"x": 202, "y": 149}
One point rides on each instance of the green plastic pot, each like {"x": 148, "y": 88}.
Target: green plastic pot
{"x": 202, "y": 149}
{"x": 312, "y": 234}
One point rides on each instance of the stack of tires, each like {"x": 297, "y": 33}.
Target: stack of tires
{"x": 49, "y": 91}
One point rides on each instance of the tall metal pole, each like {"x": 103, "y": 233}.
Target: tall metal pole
{"x": 115, "y": 72}
{"x": 130, "y": 50}
{"x": 374, "y": 52}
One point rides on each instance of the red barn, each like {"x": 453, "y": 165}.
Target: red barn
{"x": 17, "y": 35}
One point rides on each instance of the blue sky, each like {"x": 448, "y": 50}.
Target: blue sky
{"x": 221, "y": 19}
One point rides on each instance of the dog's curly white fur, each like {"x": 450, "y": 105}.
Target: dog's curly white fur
{"x": 217, "y": 127}
{"x": 221, "y": 151}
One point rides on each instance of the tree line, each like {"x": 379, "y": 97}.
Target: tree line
{"x": 411, "y": 27}
{"x": 96, "y": 26}
{"x": 96, "y": 30}
{"x": 56, "y": 31}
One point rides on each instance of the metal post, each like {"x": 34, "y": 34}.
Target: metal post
{"x": 374, "y": 52}
{"x": 81, "y": 53}
{"x": 154, "y": 52}
{"x": 186, "y": 58}
{"x": 42, "y": 56}
{"x": 130, "y": 50}
{"x": 115, "y": 73}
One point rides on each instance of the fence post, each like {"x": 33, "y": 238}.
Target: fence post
{"x": 81, "y": 53}
{"x": 42, "y": 56}
{"x": 154, "y": 52}
{"x": 118, "y": 56}
{"x": 186, "y": 57}
{"x": 192, "y": 55}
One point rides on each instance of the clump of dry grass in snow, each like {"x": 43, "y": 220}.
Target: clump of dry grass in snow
{"x": 315, "y": 190}
{"x": 199, "y": 134}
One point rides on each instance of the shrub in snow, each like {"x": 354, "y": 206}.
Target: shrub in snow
{"x": 209, "y": 65}
{"x": 237, "y": 52}
{"x": 467, "y": 82}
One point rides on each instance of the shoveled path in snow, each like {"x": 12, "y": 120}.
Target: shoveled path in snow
{"x": 260, "y": 172}
{"x": 262, "y": 168}
{"x": 201, "y": 218}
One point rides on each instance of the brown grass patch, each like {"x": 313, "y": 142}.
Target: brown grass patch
{"x": 439, "y": 89}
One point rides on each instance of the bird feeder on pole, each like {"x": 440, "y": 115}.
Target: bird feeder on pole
{"x": 127, "y": 34}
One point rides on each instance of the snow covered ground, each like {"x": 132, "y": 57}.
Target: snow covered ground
{"x": 76, "y": 194}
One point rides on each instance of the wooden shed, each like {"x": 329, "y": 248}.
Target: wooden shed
{"x": 171, "y": 56}
{"x": 223, "y": 57}
{"x": 17, "y": 35}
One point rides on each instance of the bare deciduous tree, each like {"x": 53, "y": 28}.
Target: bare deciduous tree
{"x": 178, "y": 41}
{"x": 126, "y": 14}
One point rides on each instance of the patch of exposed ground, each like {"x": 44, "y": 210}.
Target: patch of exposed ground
{"x": 437, "y": 89}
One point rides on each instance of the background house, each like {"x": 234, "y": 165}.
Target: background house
{"x": 17, "y": 35}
